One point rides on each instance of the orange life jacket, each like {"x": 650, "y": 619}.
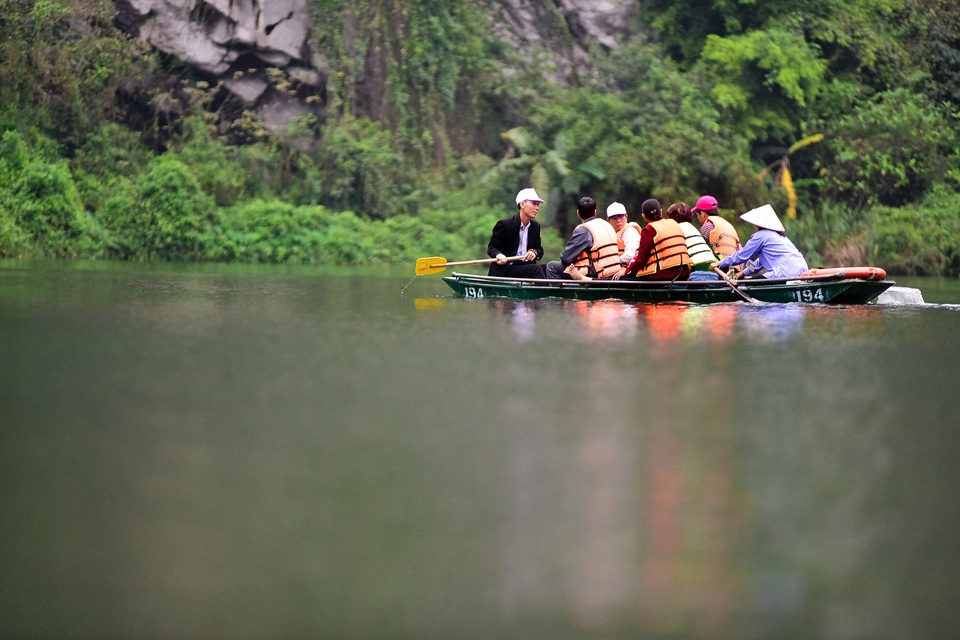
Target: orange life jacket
{"x": 723, "y": 238}
{"x": 602, "y": 256}
{"x": 669, "y": 248}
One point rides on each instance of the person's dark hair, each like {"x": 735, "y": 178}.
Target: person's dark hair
{"x": 680, "y": 211}
{"x": 651, "y": 209}
{"x": 586, "y": 207}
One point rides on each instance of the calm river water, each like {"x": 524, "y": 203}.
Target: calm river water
{"x": 240, "y": 452}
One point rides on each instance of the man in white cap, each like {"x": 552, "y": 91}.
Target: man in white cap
{"x": 628, "y": 233}
{"x": 768, "y": 253}
{"x": 518, "y": 236}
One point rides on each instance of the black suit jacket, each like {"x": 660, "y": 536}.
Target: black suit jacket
{"x": 505, "y": 239}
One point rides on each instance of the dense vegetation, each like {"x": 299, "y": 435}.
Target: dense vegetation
{"x": 842, "y": 113}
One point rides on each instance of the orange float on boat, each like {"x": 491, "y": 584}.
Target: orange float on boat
{"x": 859, "y": 273}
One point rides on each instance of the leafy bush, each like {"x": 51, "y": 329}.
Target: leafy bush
{"x": 106, "y": 160}
{"x": 646, "y": 131}
{"x": 359, "y": 170}
{"x": 274, "y": 232}
{"x": 888, "y": 151}
{"x": 278, "y": 232}
{"x": 42, "y": 205}
{"x": 762, "y": 80}
{"x": 258, "y": 170}
{"x": 164, "y": 216}
{"x": 14, "y": 243}
{"x": 61, "y": 63}
{"x": 920, "y": 239}
{"x": 834, "y": 235}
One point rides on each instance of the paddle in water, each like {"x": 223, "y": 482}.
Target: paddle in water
{"x": 726, "y": 278}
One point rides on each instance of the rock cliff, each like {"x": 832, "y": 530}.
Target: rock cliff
{"x": 238, "y": 42}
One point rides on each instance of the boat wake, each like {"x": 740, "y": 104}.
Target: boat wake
{"x": 909, "y": 297}
{"x": 901, "y": 296}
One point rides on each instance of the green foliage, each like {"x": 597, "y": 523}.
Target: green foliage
{"x": 430, "y": 65}
{"x": 916, "y": 239}
{"x": 107, "y": 160}
{"x": 421, "y": 118}
{"x": 61, "y": 79}
{"x": 273, "y": 232}
{"x": 43, "y": 213}
{"x": 920, "y": 239}
{"x": 888, "y": 150}
{"x": 168, "y": 216}
{"x": 277, "y": 232}
{"x": 833, "y": 235}
{"x": 762, "y": 80}
{"x": 931, "y": 31}
{"x": 359, "y": 168}
{"x": 647, "y": 132}
{"x": 14, "y": 242}
{"x": 854, "y": 35}
{"x": 266, "y": 166}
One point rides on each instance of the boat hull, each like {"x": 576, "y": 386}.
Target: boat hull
{"x": 816, "y": 290}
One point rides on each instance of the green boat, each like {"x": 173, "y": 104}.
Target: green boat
{"x": 833, "y": 288}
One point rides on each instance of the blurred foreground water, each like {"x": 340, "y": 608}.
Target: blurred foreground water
{"x": 239, "y": 452}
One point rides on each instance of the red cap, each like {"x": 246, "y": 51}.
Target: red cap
{"x": 705, "y": 203}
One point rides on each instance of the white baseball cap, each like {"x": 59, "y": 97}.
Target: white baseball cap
{"x": 764, "y": 217}
{"x": 528, "y": 194}
{"x": 616, "y": 209}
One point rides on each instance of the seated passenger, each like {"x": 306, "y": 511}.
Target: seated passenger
{"x": 719, "y": 233}
{"x": 768, "y": 253}
{"x": 663, "y": 249}
{"x": 700, "y": 253}
{"x": 591, "y": 251}
{"x": 628, "y": 233}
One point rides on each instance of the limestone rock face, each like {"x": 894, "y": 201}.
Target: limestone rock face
{"x": 235, "y": 41}
{"x": 238, "y": 41}
{"x": 532, "y": 25}
{"x": 212, "y": 34}
{"x": 605, "y": 22}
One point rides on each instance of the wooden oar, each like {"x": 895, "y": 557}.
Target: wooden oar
{"x": 437, "y": 264}
{"x": 726, "y": 278}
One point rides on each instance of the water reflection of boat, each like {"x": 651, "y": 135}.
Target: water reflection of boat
{"x": 831, "y": 288}
{"x": 605, "y": 318}
{"x": 773, "y": 322}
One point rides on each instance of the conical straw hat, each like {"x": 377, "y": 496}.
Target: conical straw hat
{"x": 764, "y": 217}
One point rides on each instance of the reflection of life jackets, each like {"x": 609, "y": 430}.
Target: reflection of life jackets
{"x": 664, "y": 321}
{"x": 620, "y": 246}
{"x": 669, "y": 248}
{"x": 697, "y": 247}
{"x": 723, "y": 238}
{"x": 603, "y": 256}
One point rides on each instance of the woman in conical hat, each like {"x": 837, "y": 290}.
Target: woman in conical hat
{"x": 768, "y": 253}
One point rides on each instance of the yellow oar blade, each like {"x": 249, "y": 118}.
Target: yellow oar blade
{"x": 430, "y": 265}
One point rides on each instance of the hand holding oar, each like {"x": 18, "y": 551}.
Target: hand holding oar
{"x": 437, "y": 264}
{"x": 726, "y": 278}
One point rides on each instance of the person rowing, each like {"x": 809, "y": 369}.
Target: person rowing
{"x": 768, "y": 253}
{"x": 518, "y": 237}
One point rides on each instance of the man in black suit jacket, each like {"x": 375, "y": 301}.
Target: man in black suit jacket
{"x": 518, "y": 235}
